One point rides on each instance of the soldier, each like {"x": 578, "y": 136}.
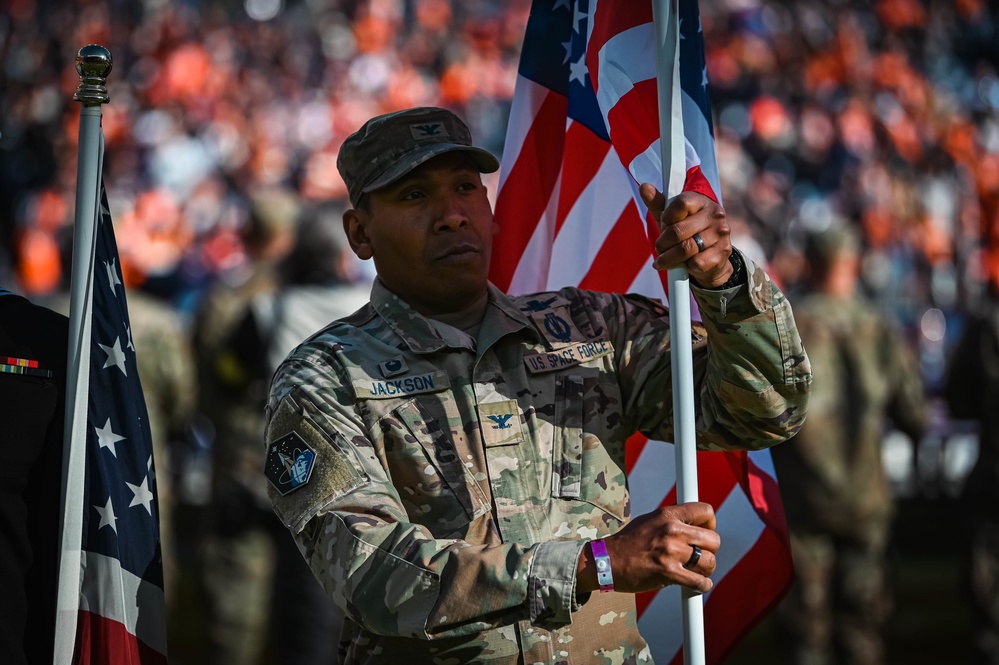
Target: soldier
{"x": 315, "y": 288}
{"x": 972, "y": 391}
{"x": 237, "y": 558}
{"x": 33, "y": 345}
{"x": 451, "y": 459}
{"x": 836, "y": 497}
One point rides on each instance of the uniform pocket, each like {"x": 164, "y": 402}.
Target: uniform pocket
{"x": 582, "y": 467}
{"x": 567, "y": 453}
{"x": 433, "y": 482}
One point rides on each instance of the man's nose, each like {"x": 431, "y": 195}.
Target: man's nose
{"x": 452, "y": 215}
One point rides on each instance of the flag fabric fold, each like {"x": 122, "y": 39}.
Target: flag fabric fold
{"x": 121, "y": 617}
{"x": 583, "y": 134}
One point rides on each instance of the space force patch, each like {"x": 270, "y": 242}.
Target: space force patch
{"x": 290, "y": 461}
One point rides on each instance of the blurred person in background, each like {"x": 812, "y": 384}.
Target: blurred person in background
{"x": 237, "y": 615}
{"x": 836, "y": 496}
{"x": 258, "y": 561}
{"x": 33, "y": 346}
{"x": 971, "y": 389}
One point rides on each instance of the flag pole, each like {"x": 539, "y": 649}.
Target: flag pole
{"x": 672, "y": 149}
{"x": 93, "y": 63}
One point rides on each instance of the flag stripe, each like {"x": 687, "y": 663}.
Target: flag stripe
{"x": 529, "y": 185}
{"x": 101, "y": 641}
{"x": 585, "y": 152}
{"x": 110, "y": 591}
{"x": 620, "y": 258}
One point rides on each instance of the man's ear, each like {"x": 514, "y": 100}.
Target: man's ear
{"x": 355, "y": 226}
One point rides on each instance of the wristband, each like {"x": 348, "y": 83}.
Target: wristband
{"x": 604, "y": 576}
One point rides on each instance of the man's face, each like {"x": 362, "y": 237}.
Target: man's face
{"x": 429, "y": 233}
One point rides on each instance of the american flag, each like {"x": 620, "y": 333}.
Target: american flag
{"x": 121, "y": 618}
{"x": 583, "y": 134}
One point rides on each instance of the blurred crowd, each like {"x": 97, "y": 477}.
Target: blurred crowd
{"x": 883, "y": 113}
{"x": 881, "y": 116}
{"x": 213, "y": 100}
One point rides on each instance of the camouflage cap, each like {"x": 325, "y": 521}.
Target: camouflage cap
{"x": 389, "y": 146}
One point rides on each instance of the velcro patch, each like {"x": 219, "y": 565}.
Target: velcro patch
{"x": 568, "y": 356}
{"x": 333, "y": 470}
{"x": 431, "y": 382}
{"x": 289, "y": 463}
{"x": 500, "y": 423}
{"x": 557, "y": 327}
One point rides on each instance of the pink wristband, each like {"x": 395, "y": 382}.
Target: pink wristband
{"x": 604, "y": 576}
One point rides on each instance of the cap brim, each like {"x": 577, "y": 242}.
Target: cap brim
{"x": 484, "y": 161}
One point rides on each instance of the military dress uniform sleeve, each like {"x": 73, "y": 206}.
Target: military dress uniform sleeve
{"x": 391, "y": 576}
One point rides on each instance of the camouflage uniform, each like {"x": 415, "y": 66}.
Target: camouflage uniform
{"x": 442, "y": 487}
{"x": 836, "y": 496}
{"x": 972, "y": 391}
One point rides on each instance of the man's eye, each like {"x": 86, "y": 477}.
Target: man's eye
{"x": 412, "y": 195}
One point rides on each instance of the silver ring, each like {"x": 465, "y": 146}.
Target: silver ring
{"x": 696, "y": 556}
{"x": 700, "y": 242}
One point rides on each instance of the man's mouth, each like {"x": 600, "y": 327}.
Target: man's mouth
{"x": 460, "y": 251}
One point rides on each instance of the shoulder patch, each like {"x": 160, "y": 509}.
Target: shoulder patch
{"x": 306, "y": 465}
{"x": 289, "y": 463}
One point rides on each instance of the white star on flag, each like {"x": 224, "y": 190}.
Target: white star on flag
{"x": 128, "y": 335}
{"x": 107, "y": 516}
{"x": 116, "y": 356}
{"x": 561, "y": 3}
{"x": 106, "y": 438}
{"x": 112, "y": 275}
{"x": 577, "y": 16}
{"x": 577, "y": 70}
{"x": 141, "y": 496}
{"x": 568, "y": 50}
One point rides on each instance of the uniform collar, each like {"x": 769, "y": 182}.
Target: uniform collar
{"x": 502, "y": 317}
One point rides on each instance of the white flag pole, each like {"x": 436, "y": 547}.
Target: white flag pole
{"x": 93, "y": 63}
{"x": 672, "y": 149}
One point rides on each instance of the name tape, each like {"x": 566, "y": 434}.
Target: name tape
{"x": 430, "y": 382}
{"x": 567, "y": 357}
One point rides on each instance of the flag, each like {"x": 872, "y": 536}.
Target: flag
{"x": 583, "y": 134}
{"x": 121, "y": 616}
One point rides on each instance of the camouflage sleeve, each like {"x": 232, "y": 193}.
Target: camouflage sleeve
{"x": 755, "y": 388}
{"x": 751, "y": 374}
{"x": 390, "y": 575}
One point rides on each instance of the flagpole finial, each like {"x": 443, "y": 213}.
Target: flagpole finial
{"x": 93, "y": 63}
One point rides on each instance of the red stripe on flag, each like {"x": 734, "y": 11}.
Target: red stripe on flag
{"x": 633, "y": 120}
{"x": 749, "y": 592}
{"x": 101, "y": 641}
{"x": 621, "y": 257}
{"x": 584, "y": 153}
{"x": 697, "y": 182}
{"x": 633, "y": 450}
{"x": 609, "y": 20}
{"x": 525, "y": 194}
{"x": 764, "y": 494}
